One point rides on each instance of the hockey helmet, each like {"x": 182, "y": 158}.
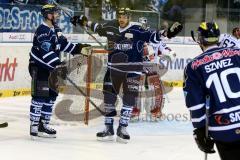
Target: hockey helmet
{"x": 208, "y": 33}
{"x": 49, "y": 9}
{"x": 124, "y": 11}
{"x": 143, "y": 21}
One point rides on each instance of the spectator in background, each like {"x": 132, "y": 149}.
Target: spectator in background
{"x": 173, "y": 11}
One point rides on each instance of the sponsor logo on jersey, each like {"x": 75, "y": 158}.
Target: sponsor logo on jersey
{"x": 234, "y": 117}
{"x": 128, "y": 35}
{"x": 110, "y": 33}
{"x": 215, "y": 56}
{"x": 220, "y": 120}
{"x": 123, "y": 47}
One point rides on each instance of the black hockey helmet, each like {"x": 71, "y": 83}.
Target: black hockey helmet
{"x": 124, "y": 11}
{"x": 49, "y": 9}
{"x": 208, "y": 33}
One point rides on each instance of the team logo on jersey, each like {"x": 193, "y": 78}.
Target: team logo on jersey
{"x": 46, "y": 46}
{"x": 128, "y": 35}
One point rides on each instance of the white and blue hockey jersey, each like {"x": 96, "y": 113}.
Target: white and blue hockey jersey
{"x": 216, "y": 73}
{"x": 47, "y": 45}
{"x": 227, "y": 40}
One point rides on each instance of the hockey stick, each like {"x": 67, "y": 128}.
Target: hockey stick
{"x": 66, "y": 11}
{"x": 3, "y": 125}
{"x": 206, "y": 122}
{"x": 192, "y": 35}
{"x": 85, "y": 95}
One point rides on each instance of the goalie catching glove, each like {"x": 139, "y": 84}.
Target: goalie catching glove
{"x": 169, "y": 55}
{"x": 204, "y": 143}
{"x": 174, "y": 30}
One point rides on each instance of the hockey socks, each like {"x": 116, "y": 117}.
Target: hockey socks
{"x": 35, "y": 113}
{"x": 44, "y": 130}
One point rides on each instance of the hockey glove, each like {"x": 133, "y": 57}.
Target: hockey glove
{"x": 204, "y": 143}
{"x": 174, "y": 30}
{"x": 61, "y": 70}
{"x": 169, "y": 55}
{"x": 81, "y": 20}
{"x": 84, "y": 49}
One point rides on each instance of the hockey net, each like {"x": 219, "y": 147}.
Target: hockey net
{"x": 83, "y": 91}
{"x": 82, "y": 96}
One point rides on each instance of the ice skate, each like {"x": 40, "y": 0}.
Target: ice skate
{"x": 135, "y": 114}
{"x": 107, "y": 134}
{"x": 33, "y": 131}
{"x": 45, "y": 131}
{"x": 122, "y": 135}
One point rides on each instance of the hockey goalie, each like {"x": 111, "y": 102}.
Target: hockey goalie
{"x": 153, "y": 89}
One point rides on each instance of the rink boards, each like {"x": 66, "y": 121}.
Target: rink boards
{"x": 14, "y": 57}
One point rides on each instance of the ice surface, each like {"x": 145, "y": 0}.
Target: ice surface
{"x": 164, "y": 140}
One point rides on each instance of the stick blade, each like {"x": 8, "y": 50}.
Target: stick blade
{"x": 3, "y": 125}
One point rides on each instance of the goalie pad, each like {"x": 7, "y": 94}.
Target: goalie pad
{"x": 154, "y": 80}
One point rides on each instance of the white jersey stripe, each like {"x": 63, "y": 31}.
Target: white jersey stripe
{"x": 196, "y": 107}
{"x": 198, "y": 119}
{"x": 222, "y": 128}
{"x": 227, "y": 110}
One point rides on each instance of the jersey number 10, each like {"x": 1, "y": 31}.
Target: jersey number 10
{"x": 222, "y": 85}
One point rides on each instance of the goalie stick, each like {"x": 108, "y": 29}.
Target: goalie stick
{"x": 66, "y": 11}
{"x": 3, "y": 125}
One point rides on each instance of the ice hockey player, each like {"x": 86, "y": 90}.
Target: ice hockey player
{"x": 227, "y": 40}
{"x": 125, "y": 41}
{"x": 153, "y": 53}
{"x": 48, "y": 42}
{"x": 212, "y": 94}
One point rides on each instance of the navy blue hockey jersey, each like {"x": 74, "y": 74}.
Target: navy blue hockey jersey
{"x": 128, "y": 41}
{"x": 47, "y": 45}
{"x": 216, "y": 73}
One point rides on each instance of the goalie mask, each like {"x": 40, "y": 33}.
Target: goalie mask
{"x": 208, "y": 33}
{"x": 143, "y": 21}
